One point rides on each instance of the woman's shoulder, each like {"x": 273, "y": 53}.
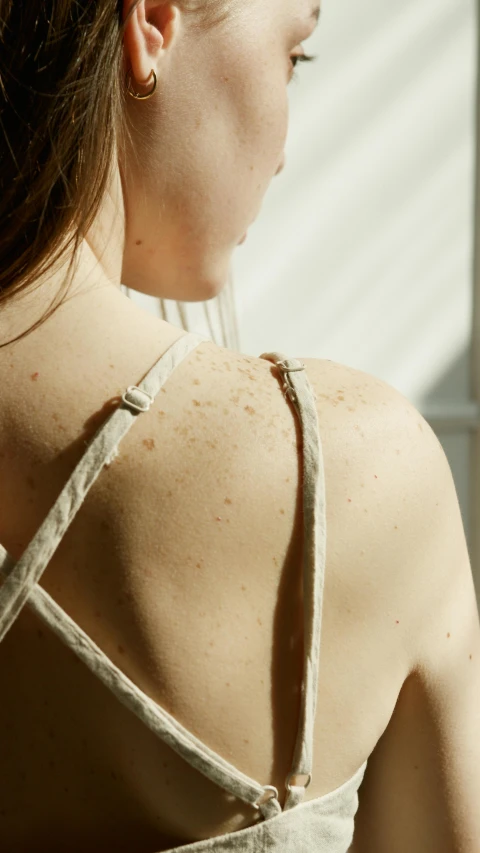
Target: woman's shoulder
{"x": 383, "y": 464}
{"x": 198, "y": 523}
{"x": 385, "y": 472}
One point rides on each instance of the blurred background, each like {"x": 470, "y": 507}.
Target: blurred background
{"x": 365, "y": 249}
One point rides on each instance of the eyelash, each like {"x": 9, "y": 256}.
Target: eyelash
{"x": 302, "y": 57}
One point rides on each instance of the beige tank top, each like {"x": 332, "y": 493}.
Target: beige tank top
{"x": 321, "y": 825}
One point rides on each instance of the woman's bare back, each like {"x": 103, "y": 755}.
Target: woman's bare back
{"x": 184, "y": 565}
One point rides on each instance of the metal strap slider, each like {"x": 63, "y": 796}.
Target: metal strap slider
{"x": 288, "y": 388}
{"x": 267, "y": 788}
{"x": 289, "y": 787}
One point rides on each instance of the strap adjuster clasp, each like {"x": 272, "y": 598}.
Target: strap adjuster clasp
{"x": 133, "y": 398}
{"x": 267, "y": 788}
{"x": 289, "y": 787}
{"x": 283, "y": 366}
{"x": 288, "y": 388}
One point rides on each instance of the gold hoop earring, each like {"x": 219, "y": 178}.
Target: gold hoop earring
{"x": 149, "y": 94}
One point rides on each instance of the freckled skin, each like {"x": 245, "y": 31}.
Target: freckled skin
{"x": 198, "y": 362}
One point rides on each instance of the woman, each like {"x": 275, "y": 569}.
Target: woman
{"x": 175, "y": 499}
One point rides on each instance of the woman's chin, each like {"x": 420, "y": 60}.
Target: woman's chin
{"x": 202, "y": 279}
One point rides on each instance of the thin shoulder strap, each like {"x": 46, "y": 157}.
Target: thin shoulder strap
{"x": 152, "y": 715}
{"x": 299, "y": 391}
{"x": 101, "y": 450}
{"x": 21, "y": 587}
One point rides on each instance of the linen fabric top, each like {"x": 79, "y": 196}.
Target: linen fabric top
{"x": 321, "y": 825}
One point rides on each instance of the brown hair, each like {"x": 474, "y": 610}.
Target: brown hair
{"x": 62, "y": 114}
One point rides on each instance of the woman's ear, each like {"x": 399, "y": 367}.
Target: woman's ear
{"x": 148, "y": 33}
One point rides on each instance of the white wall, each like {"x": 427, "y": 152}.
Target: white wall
{"x": 362, "y": 250}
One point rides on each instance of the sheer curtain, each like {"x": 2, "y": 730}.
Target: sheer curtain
{"x": 216, "y": 318}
